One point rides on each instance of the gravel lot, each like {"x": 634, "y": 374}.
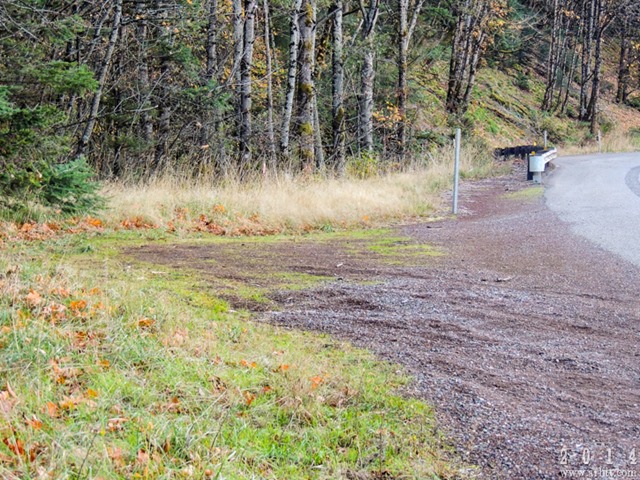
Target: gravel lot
{"x": 523, "y": 336}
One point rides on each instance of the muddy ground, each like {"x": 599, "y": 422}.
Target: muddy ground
{"x": 522, "y": 335}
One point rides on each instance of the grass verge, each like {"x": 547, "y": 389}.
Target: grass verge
{"x": 293, "y": 204}
{"x": 110, "y": 371}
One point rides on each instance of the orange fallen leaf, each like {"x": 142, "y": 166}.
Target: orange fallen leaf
{"x": 15, "y": 446}
{"x": 94, "y": 222}
{"x": 78, "y": 305}
{"x": 267, "y": 389}
{"x": 104, "y": 363}
{"x": 52, "y": 409}
{"x": 282, "y": 368}
{"x": 248, "y": 397}
{"x": 316, "y": 381}
{"x": 246, "y": 364}
{"x": 33, "y": 298}
{"x": 91, "y": 393}
{"x": 146, "y": 322}
{"x": 34, "y": 423}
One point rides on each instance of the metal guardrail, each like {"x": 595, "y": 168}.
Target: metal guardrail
{"x": 538, "y": 161}
{"x": 537, "y": 158}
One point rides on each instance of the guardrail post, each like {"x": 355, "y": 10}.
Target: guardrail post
{"x": 545, "y": 139}
{"x": 456, "y": 171}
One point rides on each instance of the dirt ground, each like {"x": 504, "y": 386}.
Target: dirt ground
{"x": 523, "y": 336}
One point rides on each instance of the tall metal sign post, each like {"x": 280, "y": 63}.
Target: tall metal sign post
{"x": 456, "y": 171}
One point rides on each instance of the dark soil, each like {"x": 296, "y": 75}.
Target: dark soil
{"x": 523, "y": 336}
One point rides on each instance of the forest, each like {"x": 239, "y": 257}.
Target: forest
{"x": 137, "y": 89}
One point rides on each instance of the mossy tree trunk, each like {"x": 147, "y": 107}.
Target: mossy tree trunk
{"x": 337, "y": 87}
{"x": 367, "y": 77}
{"x": 306, "y": 86}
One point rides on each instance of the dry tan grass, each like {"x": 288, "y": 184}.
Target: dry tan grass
{"x": 294, "y": 202}
{"x": 618, "y": 140}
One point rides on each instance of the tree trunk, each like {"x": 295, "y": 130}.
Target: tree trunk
{"x": 250, "y": 7}
{"x": 238, "y": 33}
{"x": 403, "y": 50}
{"x": 306, "y": 89}
{"x": 270, "y": 129}
{"x": 164, "y": 88}
{"x": 102, "y": 78}
{"x": 552, "y": 61}
{"x": 405, "y": 33}
{"x": 367, "y": 78}
{"x": 294, "y": 44}
{"x": 600, "y": 25}
{"x": 587, "y": 53}
{"x": 624, "y": 61}
{"x": 337, "y": 106}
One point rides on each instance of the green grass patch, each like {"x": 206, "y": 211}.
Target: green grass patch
{"x": 529, "y": 193}
{"x": 111, "y": 369}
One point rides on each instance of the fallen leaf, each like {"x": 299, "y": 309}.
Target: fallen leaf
{"x": 248, "y": 397}
{"x": 52, "y": 409}
{"x": 15, "y": 446}
{"x": 116, "y": 424}
{"x": 146, "y": 323}
{"x": 91, "y": 393}
{"x": 78, "y": 305}
{"x": 94, "y": 222}
{"x": 142, "y": 458}
{"x": 34, "y": 423}
{"x": 33, "y": 299}
{"x": 68, "y": 403}
{"x": 282, "y": 368}
{"x": 316, "y": 381}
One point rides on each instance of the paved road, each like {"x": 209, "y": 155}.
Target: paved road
{"x": 599, "y": 196}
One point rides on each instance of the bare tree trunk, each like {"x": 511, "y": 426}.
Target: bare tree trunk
{"x": 405, "y": 33}
{"x": 210, "y": 119}
{"x": 294, "y": 44}
{"x": 552, "y": 61}
{"x": 465, "y": 54}
{"x": 102, "y": 78}
{"x": 212, "y": 42}
{"x": 337, "y": 107}
{"x": 164, "y": 116}
{"x": 403, "y": 51}
{"x": 601, "y": 25}
{"x": 624, "y": 61}
{"x": 473, "y": 68}
{"x": 587, "y": 53}
{"x": 250, "y": 7}
{"x": 306, "y": 90}
{"x": 270, "y": 130}
{"x": 365, "y": 123}
{"x": 238, "y": 33}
